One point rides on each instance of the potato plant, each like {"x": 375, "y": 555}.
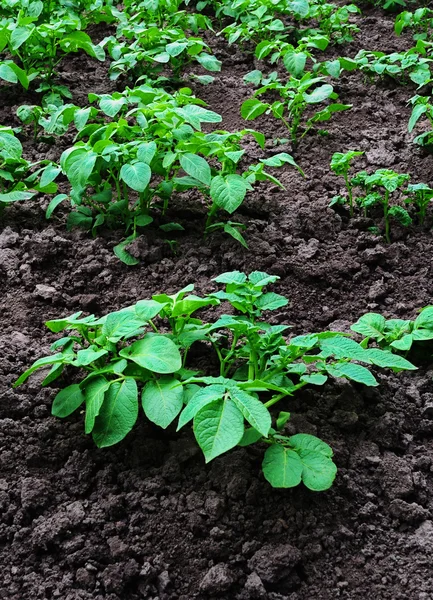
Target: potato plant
{"x": 141, "y": 352}
{"x": 396, "y": 335}
{"x": 296, "y": 96}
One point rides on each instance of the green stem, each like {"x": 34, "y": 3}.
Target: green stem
{"x": 349, "y": 189}
{"x": 385, "y": 213}
{"x": 212, "y": 212}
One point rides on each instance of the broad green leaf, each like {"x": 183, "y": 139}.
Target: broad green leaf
{"x": 7, "y": 73}
{"x": 146, "y": 151}
{"x": 67, "y": 401}
{"x": 228, "y": 192}
{"x": 119, "y": 325}
{"x": 209, "y": 62}
{"x": 319, "y": 94}
{"x": 314, "y": 378}
{"x": 251, "y": 436}
{"x": 88, "y": 355}
{"x": 271, "y": 301}
{"x": 385, "y": 359}
{"x": 342, "y": 347}
{"x": 282, "y": 467}
{"x": 162, "y": 400}
{"x": 405, "y": 343}
{"x": 354, "y": 372}
{"x": 118, "y": 413}
{"x": 122, "y": 254}
{"x": 295, "y": 62}
{"x": 94, "y": 393}
{"x": 305, "y": 441}
{"x": 218, "y": 427}
{"x": 112, "y": 106}
{"x": 254, "y": 411}
{"x": 154, "y": 352}
{"x": 196, "y": 166}
{"x": 78, "y": 166}
{"x": 370, "y": 325}
{"x": 318, "y": 470}
{"x": 253, "y": 108}
{"x": 39, "y": 364}
{"x": 201, "y": 398}
{"x": 20, "y": 35}
{"x": 231, "y": 277}
{"x": 260, "y": 278}
{"x": 136, "y": 176}
{"x": 148, "y": 309}
{"x": 49, "y": 174}
{"x": 15, "y": 196}
{"x": 417, "y": 112}
{"x": 425, "y": 318}
{"x": 190, "y": 304}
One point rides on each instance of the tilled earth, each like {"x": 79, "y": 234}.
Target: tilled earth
{"x": 148, "y": 519}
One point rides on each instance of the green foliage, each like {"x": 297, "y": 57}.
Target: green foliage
{"x": 421, "y": 20}
{"x": 401, "y": 66}
{"x": 422, "y": 107}
{"x": 19, "y": 179}
{"x": 141, "y": 351}
{"x": 377, "y": 189}
{"x": 420, "y": 195}
{"x": 340, "y": 164}
{"x": 395, "y": 335}
{"x": 296, "y": 96}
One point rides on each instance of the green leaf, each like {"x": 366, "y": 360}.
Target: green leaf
{"x": 67, "y": 401}
{"x": 122, "y": 254}
{"x": 282, "y": 467}
{"x": 319, "y": 94}
{"x": 385, "y": 359}
{"x": 260, "y": 278}
{"x": 254, "y": 411}
{"x": 119, "y": 325}
{"x": 190, "y": 304}
{"x": 218, "y": 427}
{"x": 201, "y": 398}
{"x": 231, "y": 277}
{"x": 112, "y": 106}
{"x": 252, "y": 108}
{"x": 295, "y": 62}
{"x": 15, "y": 196}
{"x": 196, "y": 166}
{"x": 251, "y": 436}
{"x": 271, "y": 301}
{"x": 228, "y": 192}
{"x": 305, "y": 441}
{"x": 78, "y": 166}
{"x": 209, "y": 62}
{"x": 94, "y": 393}
{"x": 342, "y": 347}
{"x": 315, "y": 378}
{"x": 318, "y": 472}
{"x": 118, "y": 413}
{"x": 49, "y": 174}
{"x": 148, "y": 309}
{"x": 354, "y": 372}
{"x": 282, "y": 419}
{"x": 20, "y": 35}
{"x": 425, "y": 318}
{"x": 146, "y": 151}
{"x": 370, "y": 325}
{"x": 154, "y": 352}
{"x": 162, "y": 400}
{"x": 88, "y": 355}
{"x": 136, "y": 176}
{"x": 45, "y": 361}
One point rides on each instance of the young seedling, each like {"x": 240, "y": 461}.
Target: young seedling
{"x": 143, "y": 349}
{"x": 340, "y": 164}
{"x": 296, "y": 96}
{"x": 384, "y": 182}
{"x": 422, "y": 106}
{"x": 421, "y": 196}
{"x": 395, "y": 334}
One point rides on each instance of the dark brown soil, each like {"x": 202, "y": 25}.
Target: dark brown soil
{"x": 147, "y": 519}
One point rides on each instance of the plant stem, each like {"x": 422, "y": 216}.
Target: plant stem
{"x": 385, "y": 213}
{"x": 349, "y": 190}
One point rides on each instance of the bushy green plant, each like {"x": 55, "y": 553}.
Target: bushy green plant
{"x": 296, "y": 96}
{"x": 143, "y": 349}
{"x": 395, "y": 334}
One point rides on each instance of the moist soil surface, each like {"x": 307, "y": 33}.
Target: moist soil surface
{"x": 147, "y": 518}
